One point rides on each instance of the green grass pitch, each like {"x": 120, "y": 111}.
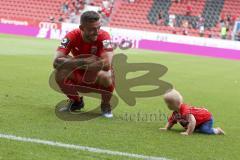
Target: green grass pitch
{"x": 27, "y": 108}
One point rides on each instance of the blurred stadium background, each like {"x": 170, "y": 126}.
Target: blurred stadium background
{"x": 211, "y": 23}
{"x": 205, "y": 18}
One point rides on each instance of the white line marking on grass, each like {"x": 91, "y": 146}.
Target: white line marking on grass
{"x": 78, "y": 147}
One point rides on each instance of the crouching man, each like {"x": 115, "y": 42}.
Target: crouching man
{"x": 84, "y": 59}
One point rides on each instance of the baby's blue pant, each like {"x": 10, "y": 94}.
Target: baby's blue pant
{"x": 206, "y": 127}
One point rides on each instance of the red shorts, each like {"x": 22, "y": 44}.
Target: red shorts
{"x": 88, "y": 80}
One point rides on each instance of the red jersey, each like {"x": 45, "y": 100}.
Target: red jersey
{"x": 200, "y": 114}
{"x": 74, "y": 43}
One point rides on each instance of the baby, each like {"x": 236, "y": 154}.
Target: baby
{"x": 191, "y": 118}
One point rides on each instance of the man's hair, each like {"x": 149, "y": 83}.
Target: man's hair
{"x": 89, "y": 16}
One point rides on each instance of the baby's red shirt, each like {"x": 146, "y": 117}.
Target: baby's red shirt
{"x": 200, "y": 114}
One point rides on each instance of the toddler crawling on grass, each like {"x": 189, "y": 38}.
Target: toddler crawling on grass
{"x": 191, "y": 118}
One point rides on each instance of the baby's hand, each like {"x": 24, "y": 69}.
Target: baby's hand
{"x": 184, "y": 133}
{"x": 162, "y": 129}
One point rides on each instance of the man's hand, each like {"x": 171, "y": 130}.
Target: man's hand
{"x": 184, "y": 133}
{"x": 91, "y": 59}
{"x": 94, "y": 63}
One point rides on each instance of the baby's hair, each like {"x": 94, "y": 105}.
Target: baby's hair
{"x": 174, "y": 95}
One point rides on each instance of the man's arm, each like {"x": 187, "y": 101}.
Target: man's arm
{"x": 107, "y": 57}
{"x": 191, "y": 125}
{"x": 71, "y": 63}
{"x": 107, "y": 49}
{"x": 103, "y": 63}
